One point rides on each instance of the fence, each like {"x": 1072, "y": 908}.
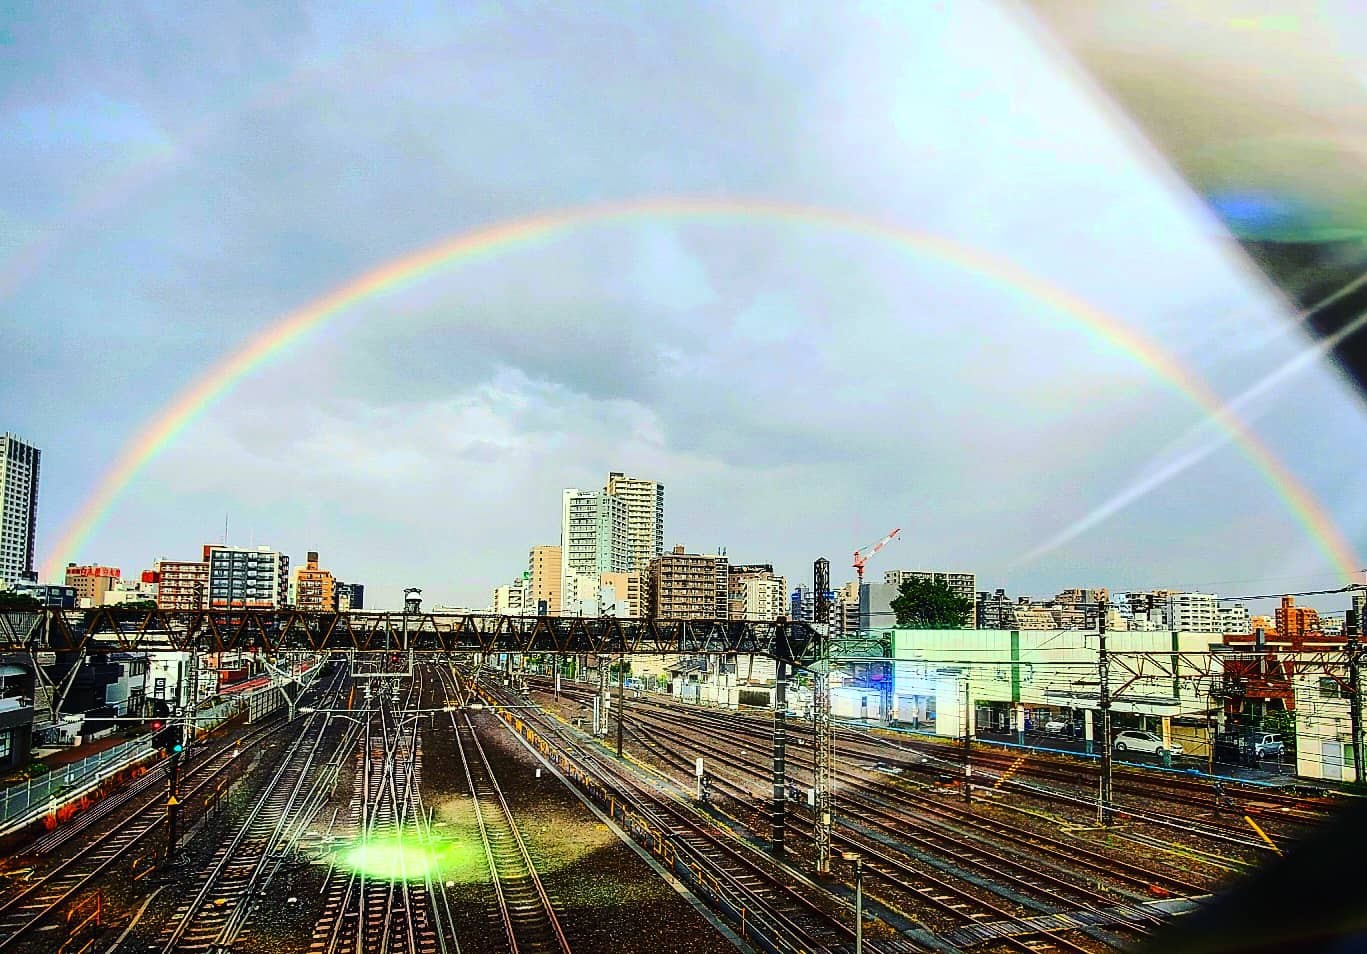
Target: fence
{"x": 34, "y": 796}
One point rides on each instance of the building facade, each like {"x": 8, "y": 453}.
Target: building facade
{"x": 91, "y": 582}
{"x": 1194, "y": 613}
{"x": 19, "y": 471}
{"x": 645, "y": 516}
{"x": 242, "y": 578}
{"x": 765, "y": 598}
{"x": 350, "y": 596}
{"x": 1295, "y": 622}
{"x": 964, "y": 585}
{"x": 620, "y": 594}
{"x": 311, "y": 588}
{"x": 593, "y": 535}
{"x": 545, "y": 567}
{"x": 182, "y": 584}
{"x": 513, "y": 599}
{"x": 737, "y": 575}
{"x": 683, "y": 585}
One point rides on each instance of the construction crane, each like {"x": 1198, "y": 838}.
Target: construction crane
{"x": 862, "y": 556}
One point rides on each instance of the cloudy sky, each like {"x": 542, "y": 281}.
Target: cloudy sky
{"x": 176, "y": 178}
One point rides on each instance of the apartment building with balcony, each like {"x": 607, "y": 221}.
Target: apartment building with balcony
{"x": 682, "y": 585}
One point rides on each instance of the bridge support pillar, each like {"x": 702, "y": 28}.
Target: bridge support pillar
{"x": 779, "y": 810}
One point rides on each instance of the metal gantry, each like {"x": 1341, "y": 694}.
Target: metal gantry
{"x": 109, "y": 629}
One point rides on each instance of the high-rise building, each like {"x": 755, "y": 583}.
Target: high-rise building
{"x": 964, "y": 585}
{"x": 243, "y": 578}
{"x": 18, "y": 509}
{"x": 182, "y": 584}
{"x": 313, "y": 589}
{"x": 91, "y": 582}
{"x": 645, "y": 527}
{"x": 1295, "y": 622}
{"x": 683, "y": 585}
{"x": 593, "y": 537}
{"x": 802, "y": 604}
{"x": 544, "y": 564}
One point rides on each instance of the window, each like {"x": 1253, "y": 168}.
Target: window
{"x": 6, "y": 744}
{"x": 1330, "y": 688}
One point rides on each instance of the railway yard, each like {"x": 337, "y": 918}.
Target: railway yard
{"x": 448, "y": 807}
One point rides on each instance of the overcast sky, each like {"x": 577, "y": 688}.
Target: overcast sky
{"x": 177, "y": 177}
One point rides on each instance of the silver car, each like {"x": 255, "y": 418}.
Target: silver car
{"x": 1136, "y": 741}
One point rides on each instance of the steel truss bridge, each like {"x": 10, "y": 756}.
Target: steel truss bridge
{"x": 112, "y": 629}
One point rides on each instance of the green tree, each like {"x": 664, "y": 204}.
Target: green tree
{"x": 18, "y": 601}
{"x": 924, "y": 604}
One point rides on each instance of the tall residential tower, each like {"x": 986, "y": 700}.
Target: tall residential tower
{"x": 645, "y": 526}
{"x": 18, "y": 508}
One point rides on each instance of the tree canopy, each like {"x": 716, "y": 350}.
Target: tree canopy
{"x": 18, "y": 601}
{"x": 926, "y": 604}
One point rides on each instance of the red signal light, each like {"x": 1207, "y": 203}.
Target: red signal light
{"x": 157, "y": 725}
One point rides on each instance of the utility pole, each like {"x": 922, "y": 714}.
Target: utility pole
{"x": 1353, "y": 649}
{"x": 968, "y": 742}
{"x": 778, "y": 812}
{"x": 1103, "y": 665}
{"x": 621, "y": 699}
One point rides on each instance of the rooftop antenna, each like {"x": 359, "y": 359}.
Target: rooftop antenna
{"x": 225, "y": 528}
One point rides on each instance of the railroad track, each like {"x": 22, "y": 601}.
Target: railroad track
{"x": 363, "y": 913}
{"x": 214, "y": 918}
{"x": 1143, "y": 784}
{"x": 525, "y": 909}
{"x": 28, "y": 909}
{"x": 886, "y": 834}
{"x": 794, "y": 913}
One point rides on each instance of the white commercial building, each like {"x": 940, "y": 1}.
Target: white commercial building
{"x": 19, "y": 467}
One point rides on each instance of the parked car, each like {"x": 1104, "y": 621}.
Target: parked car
{"x": 1057, "y": 727}
{"x": 1268, "y": 745}
{"x": 1136, "y": 741}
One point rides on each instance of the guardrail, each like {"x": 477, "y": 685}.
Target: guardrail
{"x": 35, "y": 795}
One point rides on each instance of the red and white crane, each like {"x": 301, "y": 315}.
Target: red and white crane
{"x": 862, "y": 556}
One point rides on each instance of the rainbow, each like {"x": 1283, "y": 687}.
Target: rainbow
{"x": 501, "y": 237}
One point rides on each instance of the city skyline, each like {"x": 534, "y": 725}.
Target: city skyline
{"x": 811, "y": 297}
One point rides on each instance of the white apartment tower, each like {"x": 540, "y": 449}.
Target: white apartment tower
{"x": 18, "y": 508}
{"x": 645, "y": 502}
{"x": 593, "y": 540}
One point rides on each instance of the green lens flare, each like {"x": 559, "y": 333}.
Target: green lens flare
{"x": 394, "y": 858}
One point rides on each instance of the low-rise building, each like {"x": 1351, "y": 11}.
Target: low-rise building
{"x": 312, "y": 588}
{"x": 91, "y": 583}
{"x": 57, "y": 596}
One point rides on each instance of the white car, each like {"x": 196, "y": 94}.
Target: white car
{"x": 1135, "y": 741}
{"x": 1055, "y": 727}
